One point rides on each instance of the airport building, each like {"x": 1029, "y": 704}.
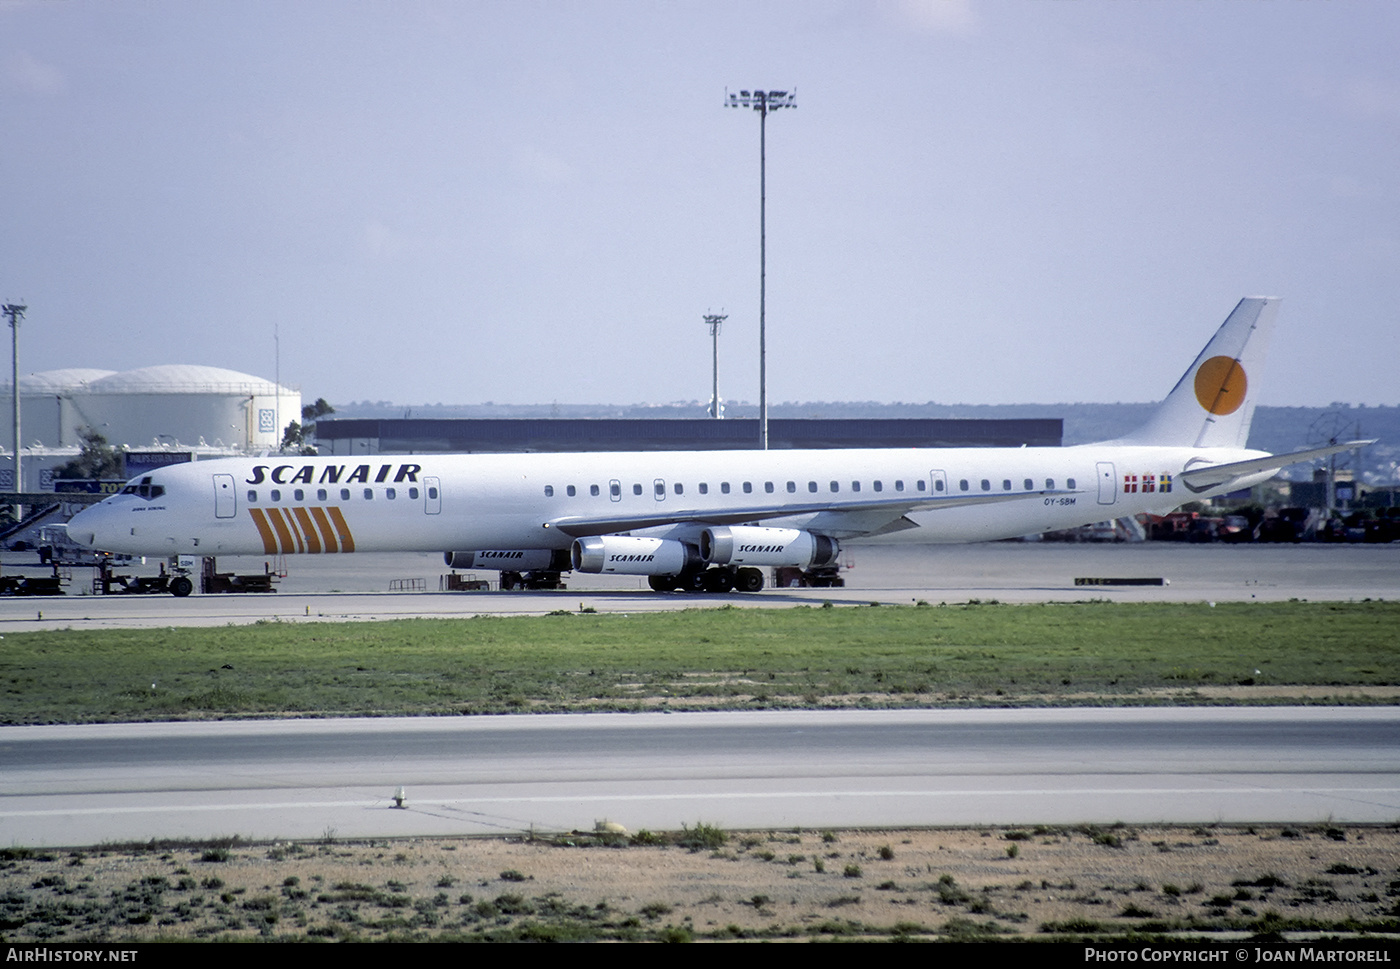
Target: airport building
{"x": 350, "y": 436}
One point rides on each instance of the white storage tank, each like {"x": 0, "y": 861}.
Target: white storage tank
{"x": 167, "y": 405}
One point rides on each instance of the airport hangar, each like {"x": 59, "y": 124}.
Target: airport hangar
{"x": 173, "y": 413}
{"x": 170, "y": 414}
{"x": 351, "y": 436}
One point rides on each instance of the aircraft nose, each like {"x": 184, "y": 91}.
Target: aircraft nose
{"x": 82, "y": 528}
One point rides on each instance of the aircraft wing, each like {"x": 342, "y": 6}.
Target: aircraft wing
{"x": 857, "y": 517}
{"x": 1218, "y": 474}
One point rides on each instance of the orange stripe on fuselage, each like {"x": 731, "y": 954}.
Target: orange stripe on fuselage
{"x": 268, "y": 539}
{"x": 289, "y": 544}
{"x": 292, "y": 527}
{"x": 302, "y": 530}
{"x": 347, "y": 541}
{"x": 324, "y": 524}
{"x": 308, "y": 530}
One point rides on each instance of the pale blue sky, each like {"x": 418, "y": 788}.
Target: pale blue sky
{"x": 975, "y": 202}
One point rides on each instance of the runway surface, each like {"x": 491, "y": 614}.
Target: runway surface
{"x": 307, "y": 779}
{"x": 354, "y": 587}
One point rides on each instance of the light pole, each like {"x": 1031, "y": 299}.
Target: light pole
{"x": 762, "y": 102}
{"x": 715, "y": 320}
{"x": 15, "y": 312}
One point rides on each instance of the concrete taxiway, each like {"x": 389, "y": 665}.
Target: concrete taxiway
{"x": 354, "y": 587}
{"x": 308, "y": 779}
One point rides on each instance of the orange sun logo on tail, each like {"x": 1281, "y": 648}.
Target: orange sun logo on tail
{"x": 1221, "y": 385}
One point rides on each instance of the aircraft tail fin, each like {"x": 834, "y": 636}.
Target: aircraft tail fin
{"x": 1213, "y": 403}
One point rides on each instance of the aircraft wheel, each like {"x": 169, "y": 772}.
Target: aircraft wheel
{"x": 661, "y": 583}
{"x": 749, "y": 580}
{"x": 691, "y": 582}
{"x": 181, "y": 586}
{"x": 719, "y": 580}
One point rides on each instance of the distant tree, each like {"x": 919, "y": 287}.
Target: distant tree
{"x": 294, "y": 439}
{"x": 298, "y": 436}
{"x": 310, "y": 412}
{"x": 96, "y": 459}
{"x": 293, "y": 436}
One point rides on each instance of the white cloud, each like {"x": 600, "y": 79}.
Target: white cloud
{"x": 1371, "y": 99}
{"x": 381, "y": 242}
{"x": 28, "y": 73}
{"x": 935, "y": 16}
{"x": 1358, "y": 97}
{"x": 543, "y": 166}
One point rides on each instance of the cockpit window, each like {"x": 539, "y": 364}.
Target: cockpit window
{"x": 144, "y": 489}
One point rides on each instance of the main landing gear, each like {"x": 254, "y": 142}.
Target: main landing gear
{"x": 716, "y": 579}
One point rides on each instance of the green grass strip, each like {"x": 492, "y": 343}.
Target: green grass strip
{"x": 1091, "y": 652}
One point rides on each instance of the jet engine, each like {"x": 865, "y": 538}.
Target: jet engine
{"x": 510, "y": 559}
{"x": 625, "y": 555}
{"x": 755, "y": 545}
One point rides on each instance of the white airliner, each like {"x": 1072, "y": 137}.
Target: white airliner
{"x": 705, "y": 520}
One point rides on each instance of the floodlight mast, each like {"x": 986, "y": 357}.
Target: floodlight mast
{"x": 762, "y": 102}
{"x": 715, "y": 321}
{"x": 15, "y": 312}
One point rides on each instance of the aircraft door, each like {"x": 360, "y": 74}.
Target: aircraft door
{"x": 225, "y": 496}
{"x": 432, "y": 495}
{"x": 1108, "y": 483}
{"x": 938, "y": 481}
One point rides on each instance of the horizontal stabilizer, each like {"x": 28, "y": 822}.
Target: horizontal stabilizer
{"x": 1218, "y": 474}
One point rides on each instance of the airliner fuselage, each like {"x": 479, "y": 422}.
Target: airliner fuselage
{"x": 705, "y": 519}
{"x": 290, "y": 505}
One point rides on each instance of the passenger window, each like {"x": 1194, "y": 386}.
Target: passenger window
{"x": 678, "y": 488}
{"x": 812, "y": 487}
{"x": 299, "y": 495}
{"x": 660, "y": 487}
{"x": 724, "y": 487}
{"x": 548, "y": 491}
{"x": 369, "y": 494}
{"x": 704, "y": 488}
{"x": 768, "y": 487}
{"x": 1050, "y": 484}
{"x": 1069, "y": 483}
{"x": 899, "y": 486}
{"x": 1006, "y": 484}
{"x": 792, "y": 487}
{"x": 432, "y": 493}
{"x": 835, "y": 487}
{"x": 593, "y": 490}
{"x": 252, "y": 496}
{"x": 636, "y": 489}
{"x": 962, "y": 485}
{"x": 276, "y": 494}
{"x": 615, "y": 489}
{"x": 855, "y": 485}
{"x": 321, "y": 494}
{"x": 879, "y": 486}
{"x": 344, "y": 494}
{"x": 390, "y": 493}
{"x": 986, "y": 485}
{"x": 1029, "y": 484}
{"x": 571, "y": 491}
{"x": 412, "y": 493}
{"x": 748, "y": 487}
